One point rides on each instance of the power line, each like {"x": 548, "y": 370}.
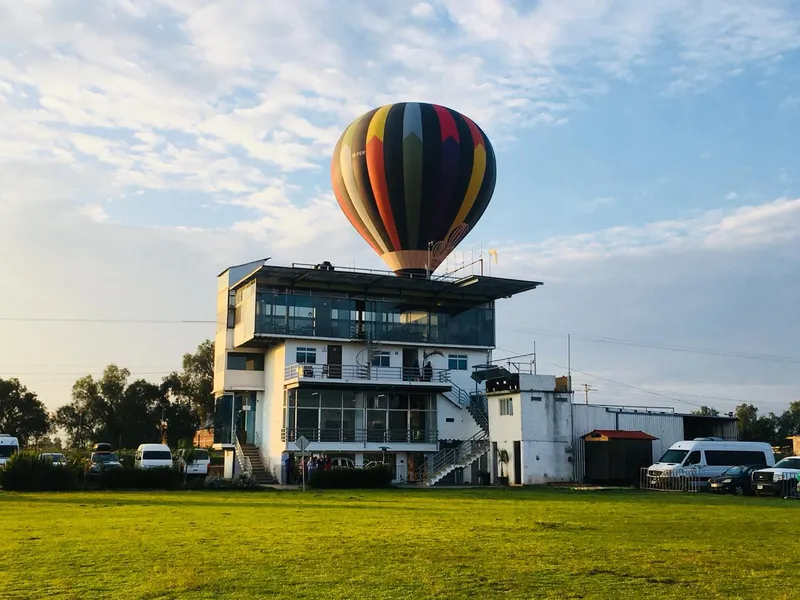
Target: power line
{"x": 110, "y": 321}
{"x": 658, "y": 345}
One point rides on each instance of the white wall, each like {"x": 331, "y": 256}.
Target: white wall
{"x": 463, "y": 426}
{"x": 505, "y": 430}
{"x": 271, "y": 444}
{"x": 546, "y": 437}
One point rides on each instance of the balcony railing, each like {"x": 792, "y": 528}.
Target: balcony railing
{"x": 364, "y": 372}
{"x": 343, "y": 436}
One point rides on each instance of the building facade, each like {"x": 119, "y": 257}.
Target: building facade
{"x": 366, "y": 366}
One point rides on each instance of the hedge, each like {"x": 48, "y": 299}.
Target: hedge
{"x": 373, "y": 477}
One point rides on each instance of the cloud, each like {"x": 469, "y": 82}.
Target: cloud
{"x": 237, "y": 106}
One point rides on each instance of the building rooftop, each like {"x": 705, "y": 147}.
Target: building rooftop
{"x": 613, "y": 434}
{"x": 472, "y": 289}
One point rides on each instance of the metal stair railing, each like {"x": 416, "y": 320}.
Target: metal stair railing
{"x": 244, "y": 461}
{"x": 265, "y": 460}
{"x": 473, "y": 404}
{"x": 450, "y": 458}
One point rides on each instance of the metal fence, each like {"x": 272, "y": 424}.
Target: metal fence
{"x": 684, "y": 480}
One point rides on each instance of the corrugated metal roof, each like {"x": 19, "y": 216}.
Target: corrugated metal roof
{"x": 616, "y": 434}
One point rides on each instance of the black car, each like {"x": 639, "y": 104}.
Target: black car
{"x": 735, "y": 480}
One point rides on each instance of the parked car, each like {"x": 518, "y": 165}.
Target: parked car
{"x": 704, "y": 458}
{"x": 152, "y": 456}
{"x": 339, "y": 462}
{"x": 198, "y": 465}
{"x": 779, "y": 480}
{"x": 57, "y": 458}
{"x": 735, "y": 480}
{"x": 103, "y": 461}
{"x": 9, "y": 446}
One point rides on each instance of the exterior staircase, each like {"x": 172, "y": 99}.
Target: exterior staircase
{"x": 252, "y": 463}
{"x": 446, "y": 461}
{"x": 475, "y": 404}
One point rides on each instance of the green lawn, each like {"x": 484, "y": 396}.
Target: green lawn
{"x": 482, "y": 543}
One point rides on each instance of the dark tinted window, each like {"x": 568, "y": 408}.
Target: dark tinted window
{"x": 694, "y": 458}
{"x": 156, "y": 455}
{"x": 7, "y": 451}
{"x": 240, "y": 361}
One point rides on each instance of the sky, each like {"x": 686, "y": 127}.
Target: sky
{"x": 648, "y": 174}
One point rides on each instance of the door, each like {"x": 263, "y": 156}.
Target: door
{"x": 411, "y": 368}
{"x": 334, "y": 362}
{"x": 517, "y": 463}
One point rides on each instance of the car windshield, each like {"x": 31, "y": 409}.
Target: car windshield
{"x": 200, "y": 455}
{"x": 54, "y": 457}
{"x": 673, "y": 456}
{"x": 104, "y": 457}
{"x": 7, "y": 451}
{"x": 156, "y": 455}
{"x": 788, "y": 463}
{"x": 735, "y": 471}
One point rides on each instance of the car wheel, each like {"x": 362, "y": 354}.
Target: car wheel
{"x": 739, "y": 490}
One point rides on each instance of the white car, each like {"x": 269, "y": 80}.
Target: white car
{"x": 9, "y": 446}
{"x": 780, "y": 480}
{"x": 152, "y": 456}
{"x": 339, "y": 462}
{"x": 199, "y": 464}
{"x": 57, "y": 458}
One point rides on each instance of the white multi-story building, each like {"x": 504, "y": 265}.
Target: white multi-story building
{"x": 363, "y": 364}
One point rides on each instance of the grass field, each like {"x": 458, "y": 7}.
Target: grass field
{"x": 481, "y": 543}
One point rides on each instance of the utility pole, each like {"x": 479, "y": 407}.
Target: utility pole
{"x": 586, "y": 389}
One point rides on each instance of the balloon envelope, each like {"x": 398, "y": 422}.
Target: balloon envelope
{"x": 413, "y": 179}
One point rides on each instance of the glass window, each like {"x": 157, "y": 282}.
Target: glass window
{"x": 156, "y": 455}
{"x": 694, "y": 458}
{"x": 382, "y": 359}
{"x": 307, "y": 399}
{"x": 245, "y": 361}
{"x": 506, "y": 407}
{"x": 673, "y": 457}
{"x": 457, "y": 362}
{"x": 306, "y": 356}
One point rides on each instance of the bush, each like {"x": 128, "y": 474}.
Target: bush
{"x": 373, "y": 477}
{"x": 239, "y": 482}
{"x": 25, "y": 471}
{"x": 141, "y": 479}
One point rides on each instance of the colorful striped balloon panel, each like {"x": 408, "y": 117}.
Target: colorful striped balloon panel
{"x": 413, "y": 179}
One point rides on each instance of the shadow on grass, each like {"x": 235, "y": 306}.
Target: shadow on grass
{"x": 377, "y": 499}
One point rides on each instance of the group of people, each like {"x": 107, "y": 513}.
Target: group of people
{"x": 311, "y": 463}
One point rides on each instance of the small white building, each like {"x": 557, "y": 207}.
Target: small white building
{"x": 534, "y": 421}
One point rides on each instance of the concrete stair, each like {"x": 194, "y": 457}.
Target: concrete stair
{"x": 260, "y": 472}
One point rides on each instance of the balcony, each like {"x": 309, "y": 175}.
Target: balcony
{"x": 359, "y": 375}
{"x": 362, "y": 436}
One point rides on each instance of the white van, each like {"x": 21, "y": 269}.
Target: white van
{"x": 9, "y": 446}
{"x": 708, "y": 457}
{"x": 152, "y": 456}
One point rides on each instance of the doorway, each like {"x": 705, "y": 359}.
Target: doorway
{"x": 411, "y": 369}
{"x": 334, "y": 362}
{"x": 517, "y": 463}
{"x": 245, "y": 406}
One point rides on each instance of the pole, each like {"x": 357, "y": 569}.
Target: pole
{"x": 586, "y": 393}
{"x": 304, "y": 470}
{"x": 534, "y": 358}
{"x": 569, "y": 361}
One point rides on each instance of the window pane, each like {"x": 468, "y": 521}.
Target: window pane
{"x": 398, "y": 402}
{"x": 331, "y": 399}
{"x": 307, "y": 418}
{"x": 307, "y": 399}
{"x": 331, "y": 419}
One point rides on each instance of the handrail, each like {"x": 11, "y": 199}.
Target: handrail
{"x": 407, "y": 436}
{"x": 363, "y": 371}
{"x": 443, "y": 460}
{"x": 264, "y": 458}
{"x": 244, "y": 461}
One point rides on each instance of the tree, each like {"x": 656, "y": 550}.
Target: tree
{"x": 195, "y": 383}
{"x": 757, "y": 429}
{"x": 109, "y": 409}
{"x": 22, "y": 414}
{"x": 705, "y": 411}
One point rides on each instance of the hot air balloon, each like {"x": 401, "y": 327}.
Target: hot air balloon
{"x": 413, "y": 179}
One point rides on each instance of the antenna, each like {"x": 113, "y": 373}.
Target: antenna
{"x": 569, "y": 361}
